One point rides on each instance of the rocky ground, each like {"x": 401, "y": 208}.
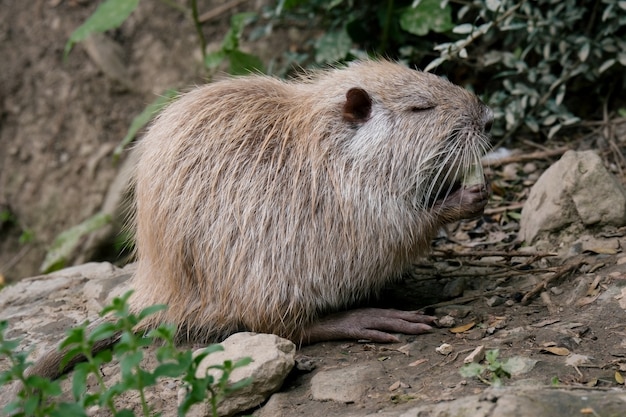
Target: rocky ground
{"x": 555, "y": 305}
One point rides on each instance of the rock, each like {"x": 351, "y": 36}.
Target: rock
{"x": 576, "y": 189}
{"x": 346, "y": 385}
{"x": 495, "y": 301}
{"x": 476, "y": 356}
{"x": 454, "y": 288}
{"x": 272, "y": 360}
{"x": 520, "y": 401}
{"x": 277, "y": 406}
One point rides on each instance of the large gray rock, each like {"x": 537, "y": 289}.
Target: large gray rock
{"x": 346, "y": 385}
{"x": 576, "y": 189}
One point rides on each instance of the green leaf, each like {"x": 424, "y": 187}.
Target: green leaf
{"x": 333, "y": 46}
{"x": 109, "y": 15}
{"x": 471, "y": 370}
{"x": 151, "y": 310}
{"x": 131, "y": 360}
{"x": 491, "y": 356}
{"x": 143, "y": 118}
{"x": 242, "y": 63}
{"x": 426, "y": 16}
{"x": 242, "y": 362}
{"x": 103, "y": 331}
{"x": 68, "y": 409}
{"x": 65, "y": 243}
{"x": 75, "y": 336}
{"x": 237, "y": 23}
{"x": 79, "y": 382}
{"x": 171, "y": 370}
{"x": 240, "y": 384}
{"x": 27, "y": 236}
{"x": 214, "y": 59}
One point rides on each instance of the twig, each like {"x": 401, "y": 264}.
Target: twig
{"x": 467, "y": 299}
{"x": 16, "y": 258}
{"x": 526, "y": 157}
{"x": 198, "y": 26}
{"x": 502, "y": 209}
{"x": 216, "y": 11}
{"x": 506, "y": 254}
{"x": 544, "y": 285}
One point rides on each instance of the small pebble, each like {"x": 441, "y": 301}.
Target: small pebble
{"x": 446, "y": 321}
{"x": 445, "y": 349}
{"x": 496, "y": 300}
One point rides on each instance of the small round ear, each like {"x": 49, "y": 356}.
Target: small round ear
{"x": 358, "y": 106}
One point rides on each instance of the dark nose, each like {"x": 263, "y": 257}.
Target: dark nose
{"x": 488, "y": 119}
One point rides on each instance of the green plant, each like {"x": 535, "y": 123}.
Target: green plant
{"x": 240, "y": 62}
{"x": 491, "y": 372}
{"x": 66, "y": 242}
{"x": 38, "y": 396}
{"x": 539, "y": 53}
{"x": 529, "y": 60}
{"x": 8, "y": 219}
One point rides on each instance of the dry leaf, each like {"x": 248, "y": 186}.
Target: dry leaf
{"x": 586, "y": 300}
{"x": 463, "y": 328}
{"x": 577, "y": 360}
{"x": 602, "y": 251}
{"x": 622, "y": 299}
{"x": 418, "y": 362}
{"x": 588, "y": 410}
{"x": 560, "y": 351}
{"x": 398, "y": 384}
{"x": 619, "y": 378}
{"x": 546, "y": 322}
{"x": 594, "y": 285}
{"x": 404, "y": 349}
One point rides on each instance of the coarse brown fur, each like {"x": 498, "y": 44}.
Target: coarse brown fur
{"x": 266, "y": 205}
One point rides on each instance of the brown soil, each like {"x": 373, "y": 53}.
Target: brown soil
{"x": 60, "y": 119}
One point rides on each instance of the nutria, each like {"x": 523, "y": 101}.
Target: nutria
{"x": 273, "y": 206}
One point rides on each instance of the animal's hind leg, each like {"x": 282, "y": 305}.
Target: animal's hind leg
{"x": 373, "y": 324}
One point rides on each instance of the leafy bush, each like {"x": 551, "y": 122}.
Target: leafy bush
{"x": 541, "y": 65}
{"x": 38, "y": 395}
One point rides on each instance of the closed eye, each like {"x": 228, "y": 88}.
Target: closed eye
{"x": 417, "y": 109}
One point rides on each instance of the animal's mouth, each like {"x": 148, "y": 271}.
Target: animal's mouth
{"x": 471, "y": 175}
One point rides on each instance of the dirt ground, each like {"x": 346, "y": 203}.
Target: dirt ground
{"x": 61, "y": 119}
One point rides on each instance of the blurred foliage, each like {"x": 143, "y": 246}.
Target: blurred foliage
{"x": 541, "y": 65}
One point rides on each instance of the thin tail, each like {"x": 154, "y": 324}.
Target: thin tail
{"x": 49, "y": 365}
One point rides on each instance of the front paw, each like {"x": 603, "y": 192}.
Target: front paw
{"x": 466, "y": 202}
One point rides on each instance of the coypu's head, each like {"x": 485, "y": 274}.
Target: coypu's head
{"x": 425, "y": 134}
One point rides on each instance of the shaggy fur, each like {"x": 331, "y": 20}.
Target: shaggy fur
{"x": 260, "y": 206}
